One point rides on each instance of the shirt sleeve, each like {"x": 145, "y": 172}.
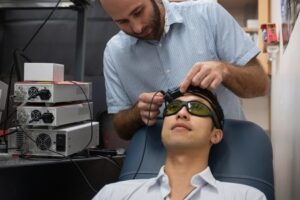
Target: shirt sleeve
{"x": 232, "y": 43}
{"x": 116, "y": 98}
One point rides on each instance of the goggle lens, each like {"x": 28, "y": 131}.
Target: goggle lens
{"x": 193, "y": 107}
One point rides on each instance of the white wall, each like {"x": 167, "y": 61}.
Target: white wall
{"x": 285, "y": 114}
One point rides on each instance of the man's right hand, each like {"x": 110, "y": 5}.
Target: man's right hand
{"x": 148, "y": 105}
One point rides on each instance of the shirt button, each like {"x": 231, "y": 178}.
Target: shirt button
{"x": 168, "y": 71}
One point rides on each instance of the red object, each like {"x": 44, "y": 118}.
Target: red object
{"x": 2, "y": 132}
{"x": 269, "y": 33}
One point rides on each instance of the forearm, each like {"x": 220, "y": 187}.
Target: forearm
{"x": 127, "y": 122}
{"x": 248, "y": 81}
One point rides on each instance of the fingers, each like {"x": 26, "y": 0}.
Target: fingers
{"x": 203, "y": 78}
{"x": 215, "y": 83}
{"x": 206, "y": 75}
{"x": 206, "y": 82}
{"x": 189, "y": 77}
{"x": 152, "y": 98}
{"x": 149, "y": 118}
{"x": 149, "y": 122}
{"x": 211, "y": 81}
{"x": 148, "y": 105}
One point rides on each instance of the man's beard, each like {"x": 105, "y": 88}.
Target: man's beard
{"x": 154, "y": 25}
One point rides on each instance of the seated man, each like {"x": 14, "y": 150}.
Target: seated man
{"x": 193, "y": 122}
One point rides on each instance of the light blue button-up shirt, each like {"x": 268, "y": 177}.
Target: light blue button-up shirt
{"x": 194, "y": 31}
{"x": 206, "y": 187}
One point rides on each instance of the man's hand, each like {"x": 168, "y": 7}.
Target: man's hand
{"x": 206, "y": 75}
{"x": 128, "y": 121}
{"x": 246, "y": 82}
{"x": 148, "y": 105}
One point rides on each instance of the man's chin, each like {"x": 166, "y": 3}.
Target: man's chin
{"x": 147, "y": 37}
{"x": 150, "y": 36}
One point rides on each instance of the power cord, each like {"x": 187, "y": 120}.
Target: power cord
{"x": 7, "y": 134}
{"x": 11, "y": 115}
{"x": 65, "y": 157}
{"x": 146, "y": 135}
{"x": 41, "y": 26}
{"x": 8, "y": 116}
{"x": 22, "y": 51}
{"x": 90, "y": 110}
{"x": 86, "y": 147}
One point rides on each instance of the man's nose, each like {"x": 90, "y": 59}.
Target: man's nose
{"x": 137, "y": 27}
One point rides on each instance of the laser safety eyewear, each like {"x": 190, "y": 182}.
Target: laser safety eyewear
{"x": 195, "y": 108}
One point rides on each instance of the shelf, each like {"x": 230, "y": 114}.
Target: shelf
{"x": 251, "y": 9}
{"x": 238, "y": 4}
{"x": 250, "y": 30}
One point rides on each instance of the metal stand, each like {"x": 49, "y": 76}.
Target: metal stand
{"x": 80, "y": 44}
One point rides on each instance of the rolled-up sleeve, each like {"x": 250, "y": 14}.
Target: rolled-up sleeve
{"x": 233, "y": 44}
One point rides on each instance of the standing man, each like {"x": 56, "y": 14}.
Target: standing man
{"x": 163, "y": 45}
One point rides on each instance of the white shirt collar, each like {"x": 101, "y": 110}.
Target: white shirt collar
{"x": 198, "y": 180}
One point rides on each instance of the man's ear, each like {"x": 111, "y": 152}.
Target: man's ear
{"x": 217, "y": 135}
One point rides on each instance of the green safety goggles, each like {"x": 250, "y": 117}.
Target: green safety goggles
{"x": 193, "y": 107}
{"x": 196, "y": 108}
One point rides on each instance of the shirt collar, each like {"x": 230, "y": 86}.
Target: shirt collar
{"x": 171, "y": 17}
{"x": 203, "y": 178}
{"x": 198, "y": 180}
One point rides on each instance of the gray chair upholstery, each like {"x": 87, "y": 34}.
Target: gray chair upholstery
{"x": 243, "y": 156}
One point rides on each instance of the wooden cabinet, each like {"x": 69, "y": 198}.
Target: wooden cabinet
{"x": 255, "y": 109}
{"x": 263, "y": 18}
{"x": 251, "y": 9}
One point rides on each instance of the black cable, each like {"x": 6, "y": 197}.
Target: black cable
{"x": 24, "y": 49}
{"x": 41, "y": 26}
{"x": 13, "y": 148}
{"x": 84, "y": 176}
{"x": 112, "y": 161}
{"x": 91, "y": 116}
{"x": 146, "y": 136}
{"x": 7, "y": 118}
{"x": 7, "y": 101}
{"x": 9, "y": 88}
{"x": 91, "y": 138}
{"x": 7, "y": 134}
{"x": 66, "y": 157}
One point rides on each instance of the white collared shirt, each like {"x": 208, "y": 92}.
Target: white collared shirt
{"x": 206, "y": 188}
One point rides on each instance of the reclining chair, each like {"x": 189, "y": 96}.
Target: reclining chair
{"x": 243, "y": 156}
